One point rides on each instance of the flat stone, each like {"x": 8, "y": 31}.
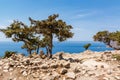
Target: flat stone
{"x": 70, "y": 75}
{"x": 5, "y": 70}
{"x": 44, "y": 66}
{"x": 10, "y": 69}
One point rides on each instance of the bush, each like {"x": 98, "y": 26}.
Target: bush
{"x": 9, "y": 54}
{"x": 116, "y": 56}
{"x": 86, "y": 46}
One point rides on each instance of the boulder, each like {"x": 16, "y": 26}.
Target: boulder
{"x": 63, "y": 71}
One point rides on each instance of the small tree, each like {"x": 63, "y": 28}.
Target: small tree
{"x": 86, "y": 46}
{"x": 112, "y": 39}
{"x": 18, "y": 31}
{"x": 51, "y": 28}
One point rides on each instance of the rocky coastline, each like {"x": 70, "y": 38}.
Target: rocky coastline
{"x": 87, "y": 65}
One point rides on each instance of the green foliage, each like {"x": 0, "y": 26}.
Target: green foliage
{"x": 86, "y": 46}
{"x": 106, "y": 37}
{"x": 116, "y": 56}
{"x": 9, "y": 54}
{"x": 39, "y": 33}
{"x": 50, "y": 28}
{"x": 18, "y": 31}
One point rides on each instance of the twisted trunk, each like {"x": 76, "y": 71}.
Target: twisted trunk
{"x": 50, "y": 46}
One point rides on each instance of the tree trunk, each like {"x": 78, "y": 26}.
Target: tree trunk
{"x": 50, "y": 47}
{"x": 38, "y": 49}
{"x": 50, "y": 52}
{"x": 29, "y": 51}
{"x": 47, "y": 50}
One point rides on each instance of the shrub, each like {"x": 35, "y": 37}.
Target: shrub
{"x": 86, "y": 46}
{"x": 116, "y": 56}
{"x": 9, "y": 54}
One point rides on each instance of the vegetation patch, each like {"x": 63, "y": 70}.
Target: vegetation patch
{"x": 9, "y": 54}
{"x": 116, "y": 56}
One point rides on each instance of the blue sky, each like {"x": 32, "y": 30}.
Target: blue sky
{"x": 86, "y": 16}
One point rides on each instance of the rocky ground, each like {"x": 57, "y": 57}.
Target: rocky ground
{"x": 63, "y": 66}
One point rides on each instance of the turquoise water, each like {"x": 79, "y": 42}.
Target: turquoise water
{"x": 70, "y": 46}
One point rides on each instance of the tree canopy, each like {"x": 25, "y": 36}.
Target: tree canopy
{"x": 111, "y": 39}
{"x": 52, "y": 28}
{"x": 40, "y": 33}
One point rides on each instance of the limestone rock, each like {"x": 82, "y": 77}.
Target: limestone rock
{"x": 24, "y": 73}
{"x": 67, "y": 65}
{"x": 63, "y": 71}
{"x": 70, "y": 75}
{"x": 44, "y": 66}
{"x": 54, "y": 65}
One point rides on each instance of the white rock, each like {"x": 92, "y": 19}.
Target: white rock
{"x": 6, "y": 67}
{"x": 70, "y": 75}
{"x": 5, "y": 70}
{"x": 117, "y": 77}
{"x": 1, "y": 63}
{"x": 10, "y": 69}
{"x": 24, "y": 73}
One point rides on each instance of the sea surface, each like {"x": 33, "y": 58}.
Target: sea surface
{"x": 68, "y": 46}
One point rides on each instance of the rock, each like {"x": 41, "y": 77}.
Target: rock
{"x": 20, "y": 55}
{"x": 105, "y": 78}
{"x": 24, "y": 73}
{"x": 6, "y": 67}
{"x": 10, "y": 69}
{"x": 118, "y": 66}
{"x": 42, "y": 55}
{"x": 77, "y": 70}
{"x": 54, "y": 65}
{"x": 56, "y": 75}
{"x": 91, "y": 73}
{"x": 117, "y": 77}
{"x": 5, "y": 70}
{"x": 28, "y": 62}
{"x": 44, "y": 66}
{"x": 63, "y": 71}
{"x": 48, "y": 78}
{"x": 34, "y": 54}
{"x": 67, "y": 65}
{"x": 1, "y": 63}
{"x": 35, "y": 75}
{"x": 1, "y": 74}
{"x": 70, "y": 75}
{"x": 61, "y": 56}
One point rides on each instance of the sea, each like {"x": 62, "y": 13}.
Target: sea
{"x": 67, "y": 46}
